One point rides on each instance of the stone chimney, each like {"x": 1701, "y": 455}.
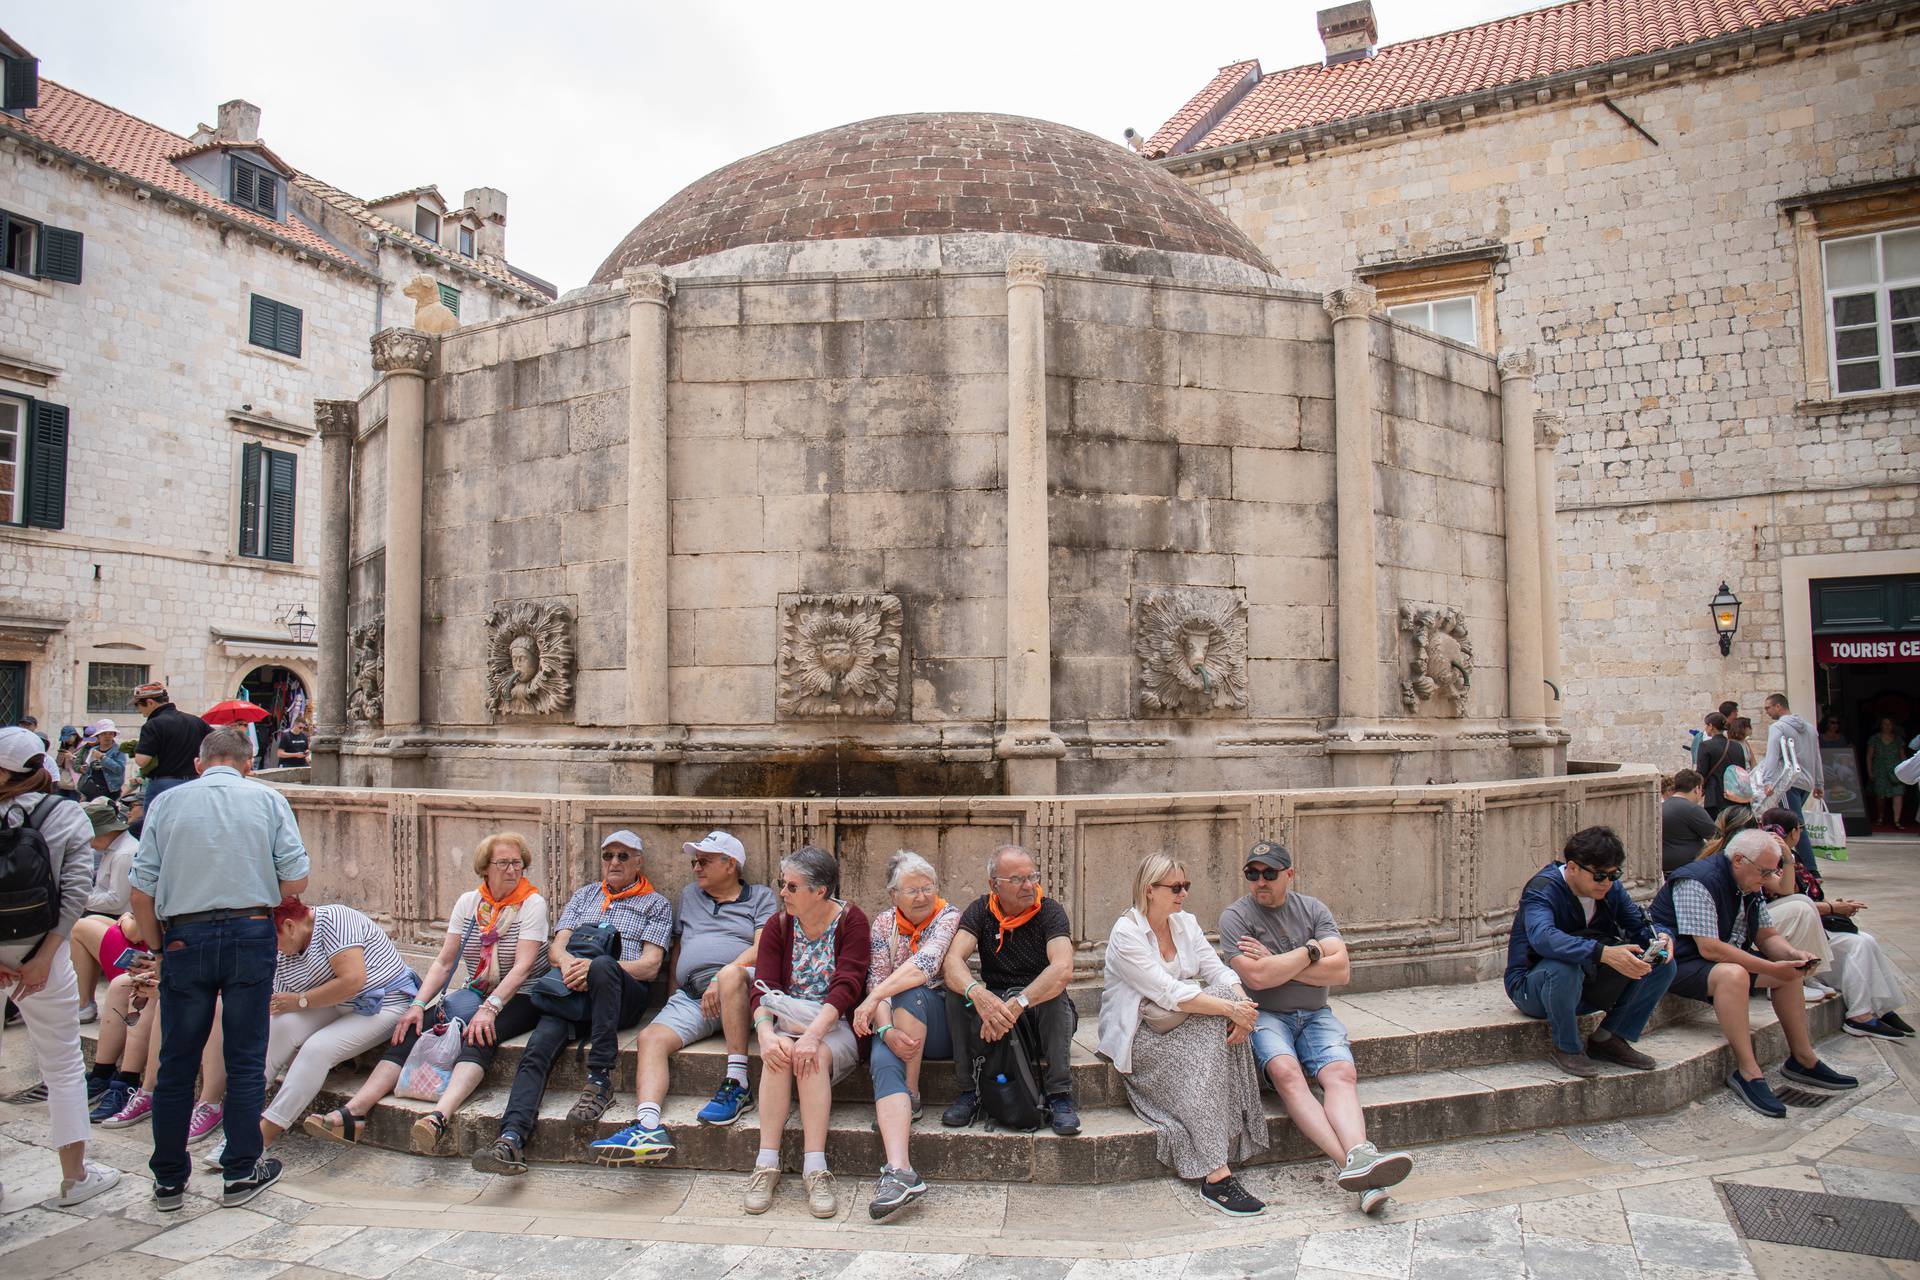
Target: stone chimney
{"x": 490, "y": 205}
{"x": 1348, "y": 31}
{"x": 239, "y": 122}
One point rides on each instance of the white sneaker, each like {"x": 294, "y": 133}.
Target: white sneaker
{"x": 99, "y": 1178}
{"x": 211, "y": 1160}
{"x": 1815, "y": 991}
{"x": 89, "y": 1012}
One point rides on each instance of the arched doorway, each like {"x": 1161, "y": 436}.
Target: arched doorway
{"x": 283, "y": 692}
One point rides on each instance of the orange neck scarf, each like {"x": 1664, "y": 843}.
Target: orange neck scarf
{"x": 493, "y": 917}
{"x": 491, "y": 907}
{"x": 912, "y": 931}
{"x": 1009, "y": 923}
{"x": 608, "y": 897}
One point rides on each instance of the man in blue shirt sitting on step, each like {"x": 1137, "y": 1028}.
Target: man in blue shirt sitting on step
{"x": 1580, "y": 945}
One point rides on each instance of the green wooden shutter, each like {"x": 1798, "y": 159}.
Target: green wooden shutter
{"x": 250, "y": 499}
{"x": 260, "y": 321}
{"x": 46, "y": 487}
{"x": 450, "y": 299}
{"x": 22, "y": 84}
{"x": 243, "y": 184}
{"x": 267, "y": 194}
{"x": 286, "y": 329}
{"x": 280, "y": 494}
{"x": 60, "y": 253}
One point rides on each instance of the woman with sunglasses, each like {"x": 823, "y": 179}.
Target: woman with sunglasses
{"x": 1176, "y": 1026}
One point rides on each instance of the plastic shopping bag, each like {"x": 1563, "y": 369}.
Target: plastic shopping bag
{"x": 1825, "y": 831}
{"x": 430, "y": 1064}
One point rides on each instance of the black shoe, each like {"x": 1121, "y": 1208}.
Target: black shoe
{"x": 504, "y": 1157}
{"x": 961, "y": 1111}
{"x": 1818, "y": 1076}
{"x": 266, "y": 1172}
{"x": 1758, "y": 1095}
{"x": 1614, "y": 1049}
{"x": 168, "y": 1199}
{"x": 1897, "y": 1022}
{"x": 1878, "y": 1028}
{"x": 1228, "y": 1196}
{"x": 1065, "y": 1120}
{"x": 594, "y": 1101}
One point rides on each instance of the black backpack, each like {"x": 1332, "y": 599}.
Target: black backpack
{"x": 549, "y": 993}
{"x": 1005, "y": 1081}
{"x": 29, "y": 890}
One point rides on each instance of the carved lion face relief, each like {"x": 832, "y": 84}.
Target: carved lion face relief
{"x": 1191, "y": 647}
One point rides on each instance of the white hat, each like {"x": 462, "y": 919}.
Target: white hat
{"x": 719, "y": 842}
{"x": 99, "y": 727}
{"x": 17, "y": 746}
{"x": 626, "y": 839}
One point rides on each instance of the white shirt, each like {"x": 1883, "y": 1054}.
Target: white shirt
{"x": 111, "y": 894}
{"x": 1136, "y": 971}
{"x": 1587, "y": 904}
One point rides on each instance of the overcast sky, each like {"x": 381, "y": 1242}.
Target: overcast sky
{"x": 590, "y": 115}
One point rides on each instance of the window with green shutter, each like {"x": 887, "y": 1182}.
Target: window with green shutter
{"x": 31, "y": 248}
{"x": 450, "y": 299}
{"x": 267, "y": 491}
{"x": 254, "y": 188}
{"x": 33, "y": 463}
{"x": 274, "y": 325}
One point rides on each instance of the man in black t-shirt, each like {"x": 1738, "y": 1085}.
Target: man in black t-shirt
{"x": 1025, "y": 945}
{"x": 292, "y": 746}
{"x": 169, "y": 741}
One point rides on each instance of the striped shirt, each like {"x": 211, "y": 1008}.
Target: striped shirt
{"x": 337, "y": 928}
{"x": 640, "y": 920}
{"x": 1695, "y": 914}
{"x": 529, "y": 921}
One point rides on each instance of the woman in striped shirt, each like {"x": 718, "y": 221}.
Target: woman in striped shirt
{"x": 497, "y": 936}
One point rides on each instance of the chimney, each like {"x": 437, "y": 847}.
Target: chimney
{"x": 490, "y": 205}
{"x": 239, "y": 122}
{"x": 1348, "y": 31}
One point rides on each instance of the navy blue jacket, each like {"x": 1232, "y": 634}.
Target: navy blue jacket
{"x": 1716, "y": 873}
{"x": 1550, "y": 921}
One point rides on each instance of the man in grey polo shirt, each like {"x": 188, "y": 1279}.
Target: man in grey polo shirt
{"x": 717, "y": 933}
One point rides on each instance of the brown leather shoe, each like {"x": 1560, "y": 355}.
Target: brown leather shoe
{"x": 1618, "y": 1050}
{"x": 1575, "y": 1064}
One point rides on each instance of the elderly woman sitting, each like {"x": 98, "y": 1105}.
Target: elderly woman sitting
{"x": 813, "y": 957}
{"x": 339, "y": 988}
{"x": 497, "y": 933}
{"x": 905, "y": 1012}
{"x": 1176, "y": 1025}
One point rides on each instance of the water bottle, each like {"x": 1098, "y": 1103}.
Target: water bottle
{"x": 1000, "y": 1078}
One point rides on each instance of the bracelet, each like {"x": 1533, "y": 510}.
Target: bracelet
{"x": 964, "y": 995}
{"x": 763, "y": 1018}
{"x": 883, "y": 1029}
{"x": 418, "y": 1003}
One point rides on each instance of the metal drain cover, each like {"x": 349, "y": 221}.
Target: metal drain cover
{"x": 1844, "y": 1224}
{"x": 1803, "y": 1097}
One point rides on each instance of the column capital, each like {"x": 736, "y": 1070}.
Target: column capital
{"x": 1351, "y": 301}
{"x": 1517, "y": 362}
{"x": 1549, "y": 427}
{"x": 648, "y": 283}
{"x": 402, "y": 350}
{"x": 1026, "y": 268}
{"x": 336, "y": 417}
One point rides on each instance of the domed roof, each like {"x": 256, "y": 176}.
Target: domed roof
{"x": 934, "y": 175}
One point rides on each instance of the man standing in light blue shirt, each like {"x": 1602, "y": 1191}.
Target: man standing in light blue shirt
{"x": 216, "y": 856}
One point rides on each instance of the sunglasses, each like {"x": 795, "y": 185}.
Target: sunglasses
{"x": 617, "y": 855}
{"x": 1177, "y": 888}
{"x": 1264, "y": 873}
{"x": 1605, "y": 877}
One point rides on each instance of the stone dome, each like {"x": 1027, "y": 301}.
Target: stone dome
{"x": 938, "y": 175}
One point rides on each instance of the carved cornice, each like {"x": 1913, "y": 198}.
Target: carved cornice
{"x": 648, "y": 283}
{"x": 1517, "y": 362}
{"x": 402, "y": 350}
{"x": 336, "y": 417}
{"x": 1351, "y": 301}
{"x": 1026, "y": 269}
{"x": 1550, "y": 428}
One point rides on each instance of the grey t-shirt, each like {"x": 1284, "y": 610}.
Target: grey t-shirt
{"x": 712, "y": 934}
{"x": 1281, "y": 928}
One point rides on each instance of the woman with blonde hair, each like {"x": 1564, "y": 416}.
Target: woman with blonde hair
{"x": 498, "y": 932}
{"x": 1176, "y": 1024}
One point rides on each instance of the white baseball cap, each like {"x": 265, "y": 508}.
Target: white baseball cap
{"x": 625, "y": 839}
{"x": 719, "y": 842}
{"x": 17, "y": 746}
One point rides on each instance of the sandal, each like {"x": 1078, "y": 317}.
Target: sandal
{"x": 427, "y": 1132}
{"x": 323, "y": 1126}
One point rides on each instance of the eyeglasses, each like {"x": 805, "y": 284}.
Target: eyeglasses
{"x": 711, "y": 860}
{"x": 1604, "y": 877}
{"x": 1176, "y": 889}
{"x": 1016, "y": 880}
{"x": 513, "y": 864}
{"x": 926, "y": 892}
{"x": 618, "y": 855}
{"x": 1263, "y": 873}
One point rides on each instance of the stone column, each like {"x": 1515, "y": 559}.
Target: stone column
{"x": 1031, "y": 749}
{"x": 1526, "y": 690}
{"x": 337, "y": 420}
{"x": 404, "y": 355}
{"x": 649, "y": 545}
{"x": 1548, "y": 429}
{"x": 1357, "y": 558}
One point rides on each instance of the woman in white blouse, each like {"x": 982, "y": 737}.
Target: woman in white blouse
{"x": 1176, "y": 1025}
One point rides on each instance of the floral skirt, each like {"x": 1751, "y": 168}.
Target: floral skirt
{"x": 1200, "y": 1094}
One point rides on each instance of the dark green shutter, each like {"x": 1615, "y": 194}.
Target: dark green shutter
{"x": 250, "y": 499}
{"x": 286, "y": 329}
{"x": 60, "y": 252}
{"x": 46, "y": 487}
{"x": 243, "y": 184}
{"x": 280, "y": 490}
{"x": 22, "y": 84}
{"x": 267, "y": 199}
{"x": 260, "y": 321}
{"x": 450, "y": 299}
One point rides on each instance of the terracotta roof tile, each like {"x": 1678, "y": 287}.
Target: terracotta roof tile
{"x": 357, "y": 209}
{"x": 1527, "y": 46}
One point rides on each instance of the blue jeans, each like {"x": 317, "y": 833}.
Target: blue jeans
{"x": 928, "y": 1005}
{"x": 1556, "y": 990}
{"x": 1803, "y": 851}
{"x": 228, "y": 962}
{"x": 157, "y": 787}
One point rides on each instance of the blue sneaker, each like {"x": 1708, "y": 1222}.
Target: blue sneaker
{"x": 635, "y": 1144}
{"x": 1757, "y": 1094}
{"x": 730, "y": 1101}
{"x": 111, "y": 1101}
{"x": 1819, "y": 1075}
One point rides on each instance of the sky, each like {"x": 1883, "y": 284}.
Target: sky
{"x": 589, "y": 116}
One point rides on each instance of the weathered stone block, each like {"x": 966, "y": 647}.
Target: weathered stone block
{"x": 734, "y": 637}
{"x": 596, "y": 421}
{"x": 1091, "y": 688}
{"x": 723, "y": 580}
{"x": 954, "y": 571}
{"x": 956, "y": 344}
{"x": 1086, "y": 464}
{"x": 1090, "y": 625}
{"x": 1205, "y": 471}
{"x": 1285, "y": 579}
{"x": 1112, "y": 352}
{"x": 786, "y": 302}
{"x": 1282, "y": 475}
{"x": 1290, "y": 631}
{"x": 722, "y": 695}
{"x": 706, "y": 409}
{"x": 1128, "y": 521}
{"x": 705, "y": 467}
{"x": 1266, "y": 528}
{"x": 968, "y": 627}
{"x": 889, "y": 299}
{"x": 1290, "y": 689}
{"x": 956, "y": 688}
{"x": 703, "y": 525}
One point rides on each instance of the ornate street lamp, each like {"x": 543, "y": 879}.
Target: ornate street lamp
{"x": 300, "y": 625}
{"x": 1725, "y": 607}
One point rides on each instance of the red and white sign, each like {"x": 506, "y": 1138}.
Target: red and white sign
{"x": 1880, "y": 648}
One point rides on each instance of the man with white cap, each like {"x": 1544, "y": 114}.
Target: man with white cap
{"x": 624, "y": 901}
{"x": 717, "y": 934}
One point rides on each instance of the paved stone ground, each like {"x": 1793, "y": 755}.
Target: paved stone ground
{"x": 1611, "y": 1201}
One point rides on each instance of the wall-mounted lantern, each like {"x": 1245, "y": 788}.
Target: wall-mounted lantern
{"x": 1726, "y": 616}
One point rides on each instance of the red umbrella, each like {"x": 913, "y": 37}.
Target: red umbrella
{"x": 233, "y": 711}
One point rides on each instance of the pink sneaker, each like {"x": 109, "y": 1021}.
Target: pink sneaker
{"x": 206, "y": 1118}
{"x": 139, "y": 1106}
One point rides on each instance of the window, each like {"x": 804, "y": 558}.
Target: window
{"x": 466, "y": 241}
{"x": 33, "y": 462}
{"x": 266, "y": 503}
{"x": 256, "y": 189}
{"x": 22, "y": 89}
{"x": 450, "y": 298}
{"x": 274, "y": 325}
{"x": 110, "y": 685}
{"x": 13, "y": 692}
{"x": 1873, "y": 311}
{"x": 426, "y": 223}
{"x": 1449, "y": 317}
{"x": 35, "y": 249}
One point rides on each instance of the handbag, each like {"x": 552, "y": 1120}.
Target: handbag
{"x": 549, "y": 993}
{"x": 791, "y": 1015}
{"x": 1158, "y": 1019}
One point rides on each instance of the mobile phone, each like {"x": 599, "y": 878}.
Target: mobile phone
{"x": 136, "y": 958}
{"x": 1812, "y": 963}
{"x": 1656, "y": 954}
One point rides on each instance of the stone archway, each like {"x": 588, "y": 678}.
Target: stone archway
{"x": 284, "y": 688}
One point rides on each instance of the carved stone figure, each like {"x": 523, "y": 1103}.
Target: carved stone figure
{"x": 1191, "y": 647}
{"x": 529, "y": 659}
{"x": 368, "y": 672}
{"x": 840, "y": 655}
{"x": 1442, "y": 661}
{"x": 430, "y": 315}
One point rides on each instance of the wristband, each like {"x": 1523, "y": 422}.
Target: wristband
{"x": 965, "y": 995}
{"x": 883, "y": 1028}
{"x": 418, "y": 1003}
{"x": 763, "y": 1018}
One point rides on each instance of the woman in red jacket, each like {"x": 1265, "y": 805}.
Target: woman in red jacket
{"x": 816, "y": 950}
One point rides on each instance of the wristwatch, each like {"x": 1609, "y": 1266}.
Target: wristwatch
{"x": 1313, "y": 952}
{"x": 1021, "y": 1000}
{"x": 303, "y": 1000}
{"x": 493, "y": 1003}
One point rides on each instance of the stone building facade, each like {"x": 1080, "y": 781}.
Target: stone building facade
{"x": 160, "y": 493}
{"x": 1653, "y": 223}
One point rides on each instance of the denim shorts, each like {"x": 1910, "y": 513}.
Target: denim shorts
{"x": 1312, "y": 1037}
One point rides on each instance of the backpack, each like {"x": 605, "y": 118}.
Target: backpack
{"x": 29, "y": 890}
{"x": 549, "y": 993}
{"x": 1004, "y": 1079}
